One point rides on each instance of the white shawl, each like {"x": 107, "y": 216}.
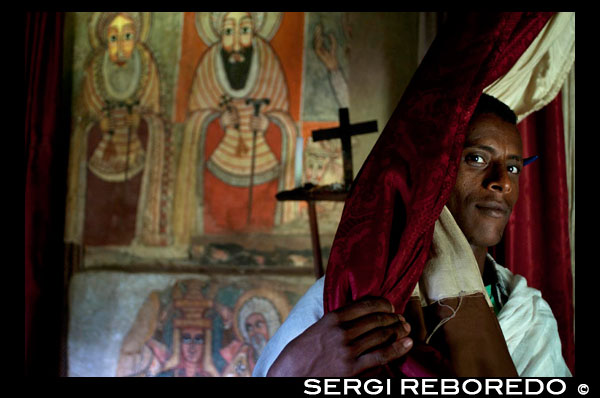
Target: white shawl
{"x": 530, "y": 330}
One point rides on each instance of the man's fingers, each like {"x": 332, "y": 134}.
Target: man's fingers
{"x": 375, "y": 338}
{"x": 383, "y": 355}
{"x": 333, "y": 42}
{"x": 366, "y": 323}
{"x": 363, "y": 307}
{"x": 318, "y": 38}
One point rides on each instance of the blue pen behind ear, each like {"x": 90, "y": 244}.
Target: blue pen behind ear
{"x": 529, "y": 160}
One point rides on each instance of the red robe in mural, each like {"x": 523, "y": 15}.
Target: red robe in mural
{"x": 212, "y": 194}
{"x": 116, "y": 177}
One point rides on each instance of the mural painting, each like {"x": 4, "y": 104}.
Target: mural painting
{"x": 185, "y": 126}
{"x": 239, "y": 139}
{"x": 325, "y": 90}
{"x": 181, "y": 159}
{"x": 241, "y": 142}
{"x": 204, "y": 328}
{"x": 120, "y": 167}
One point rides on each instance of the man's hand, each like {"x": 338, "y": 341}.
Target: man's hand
{"x": 230, "y": 118}
{"x": 259, "y": 123}
{"x": 326, "y": 55}
{"x": 226, "y": 314}
{"x": 346, "y": 342}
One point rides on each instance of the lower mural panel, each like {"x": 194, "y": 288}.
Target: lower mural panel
{"x": 165, "y": 325}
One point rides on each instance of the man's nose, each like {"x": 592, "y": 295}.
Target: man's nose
{"x": 120, "y": 51}
{"x": 499, "y": 179}
{"x": 236, "y": 41}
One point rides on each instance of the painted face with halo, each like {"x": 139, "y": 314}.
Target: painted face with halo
{"x": 121, "y": 37}
{"x": 237, "y": 32}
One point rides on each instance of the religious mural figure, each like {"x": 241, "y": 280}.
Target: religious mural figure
{"x": 120, "y": 160}
{"x": 326, "y": 65}
{"x": 327, "y": 54}
{"x": 257, "y": 316}
{"x": 323, "y": 159}
{"x": 323, "y": 163}
{"x": 328, "y": 91}
{"x": 185, "y": 331}
{"x": 239, "y": 138}
{"x": 192, "y": 334}
{"x": 172, "y": 339}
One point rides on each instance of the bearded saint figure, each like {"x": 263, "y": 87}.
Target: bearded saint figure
{"x": 236, "y": 153}
{"x": 118, "y": 168}
{"x": 257, "y": 316}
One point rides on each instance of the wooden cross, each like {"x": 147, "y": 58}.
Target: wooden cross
{"x": 344, "y": 132}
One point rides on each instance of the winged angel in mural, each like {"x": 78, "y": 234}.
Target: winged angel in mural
{"x": 117, "y": 161}
{"x": 239, "y": 138}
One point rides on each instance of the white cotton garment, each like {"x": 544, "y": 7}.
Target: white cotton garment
{"x": 526, "y": 320}
{"x": 530, "y": 329}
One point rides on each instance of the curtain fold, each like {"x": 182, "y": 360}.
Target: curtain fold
{"x": 537, "y": 77}
{"x": 568, "y": 107}
{"x": 46, "y": 148}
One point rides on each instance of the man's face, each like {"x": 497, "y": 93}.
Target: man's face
{"x": 236, "y": 33}
{"x": 121, "y": 39}
{"x": 236, "y": 51}
{"x": 192, "y": 344}
{"x": 258, "y": 332}
{"x": 255, "y": 324}
{"x": 314, "y": 168}
{"x": 487, "y": 184}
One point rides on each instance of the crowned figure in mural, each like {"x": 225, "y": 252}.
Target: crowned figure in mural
{"x": 239, "y": 138}
{"x": 257, "y": 315}
{"x": 171, "y": 339}
{"x": 192, "y": 335}
{"x": 118, "y": 162}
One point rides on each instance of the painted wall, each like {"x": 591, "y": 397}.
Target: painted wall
{"x": 185, "y": 126}
{"x": 153, "y": 324}
{"x": 382, "y": 60}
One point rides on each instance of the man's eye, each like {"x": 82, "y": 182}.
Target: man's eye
{"x": 514, "y": 170}
{"x": 245, "y": 29}
{"x": 474, "y": 158}
{"x": 113, "y": 38}
{"x": 128, "y": 36}
{"x": 228, "y": 31}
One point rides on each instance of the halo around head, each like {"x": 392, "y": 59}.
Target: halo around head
{"x": 99, "y": 22}
{"x": 209, "y": 23}
{"x": 271, "y": 304}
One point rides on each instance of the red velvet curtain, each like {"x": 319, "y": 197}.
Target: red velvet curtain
{"x": 536, "y": 240}
{"x": 46, "y": 150}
